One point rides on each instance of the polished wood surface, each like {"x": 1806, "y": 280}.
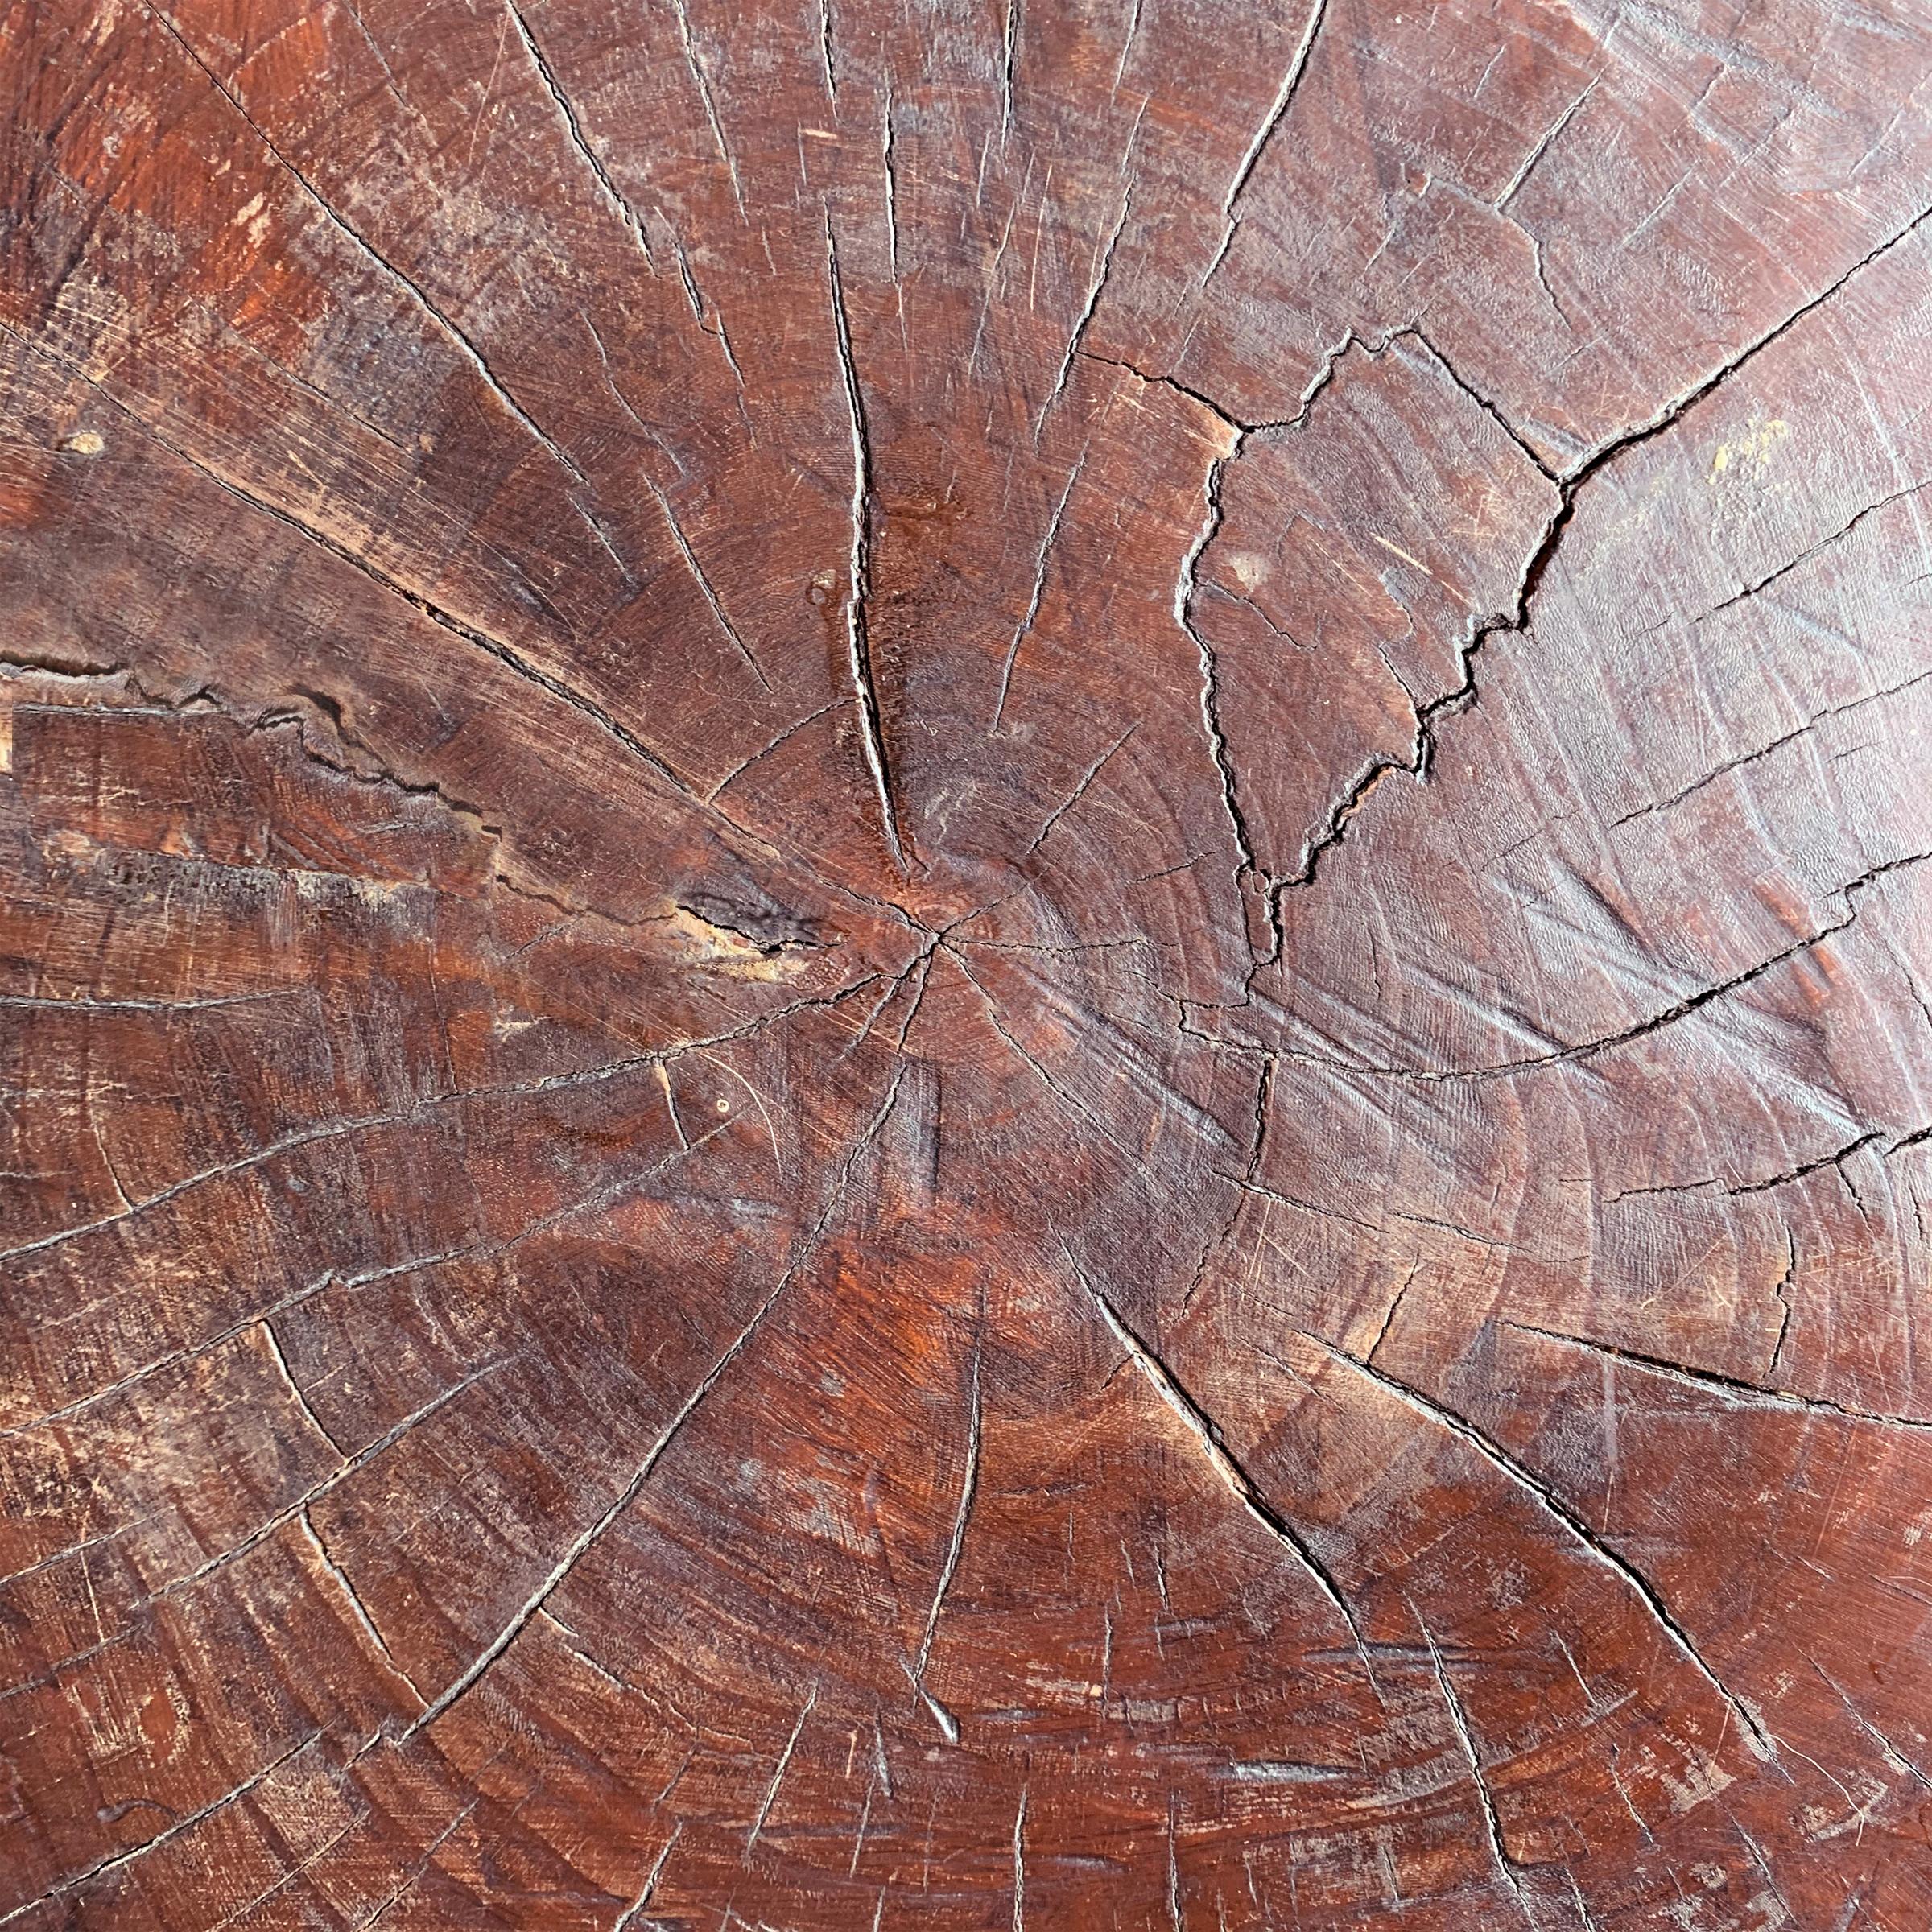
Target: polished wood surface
{"x": 965, "y": 966}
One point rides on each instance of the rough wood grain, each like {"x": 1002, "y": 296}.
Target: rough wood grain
{"x": 966, "y": 966}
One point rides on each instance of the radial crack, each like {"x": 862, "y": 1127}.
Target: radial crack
{"x": 709, "y": 593}
{"x": 1766, "y": 749}
{"x": 619, "y": 202}
{"x": 199, "y": 1816}
{"x": 1009, "y": 61}
{"x": 1553, "y": 1503}
{"x": 1747, "y": 591}
{"x": 858, "y": 636}
{"x": 1542, "y": 146}
{"x": 969, "y": 1485}
{"x": 1080, "y": 790}
{"x": 650, "y": 1880}
{"x": 778, "y": 1776}
{"x": 586, "y": 1538}
{"x": 295, "y": 1388}
{"x": 300, "y": 1507}
{"x": 1019, "y": 1864}
{"x": 887, "y": 158}
{"x": 471, "y": 353}
{"x": 1586, "y": 1050}
{"x": 357, "y": 1608}
{"x": 1207, "y": 1437}
{"x": 825, "y": 42}
{"x": 696, "y": 62}
{"x": 1298, "y": 65}
{"x": 1103, "y": 268}
{"x": 1505, "y": 1865}
{"x": 334, "y": 1129}
{"x": 1781, "y": 1289}
{"x": 1040, "y": 591}
{"x": 1730, "y": 1389}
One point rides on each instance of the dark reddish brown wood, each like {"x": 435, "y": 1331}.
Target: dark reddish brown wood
{"x": 966, "y": 967}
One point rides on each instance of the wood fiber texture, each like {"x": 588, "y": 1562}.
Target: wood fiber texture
{"x": 966, "y": 966}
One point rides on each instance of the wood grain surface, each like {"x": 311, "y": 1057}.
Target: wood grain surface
{"x": 966, "y": 965}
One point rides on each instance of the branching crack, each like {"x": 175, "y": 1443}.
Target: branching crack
{"x": 1324, "y": 372}
{"x": 335, "y": 1129}
{"x": 1187, "y": 589}
{"x": 350, "y": 1465}
{"x": 1184, "y": 592}
{"x": 1264, "y": 1093}
{"x": 506, "y": 655}
{"x": 1517, "y": 622}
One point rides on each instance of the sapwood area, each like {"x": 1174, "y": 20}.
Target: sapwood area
{"x": 965, "y": 967}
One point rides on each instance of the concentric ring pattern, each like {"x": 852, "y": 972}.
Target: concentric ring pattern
{"x": 966, "y": 966}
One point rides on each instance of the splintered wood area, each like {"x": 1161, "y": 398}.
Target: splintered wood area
{"x": 966, "y": 966}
